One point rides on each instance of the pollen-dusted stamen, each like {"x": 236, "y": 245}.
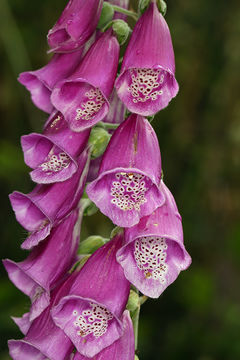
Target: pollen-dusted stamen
{"x": 150, "y": 255}
{"x": 56, "y": 163}
{"x": 92, "y": 321}
{"x": 146, "y": 84}
{"x": 90, "y": 107}
{"x": 128, "y": 192}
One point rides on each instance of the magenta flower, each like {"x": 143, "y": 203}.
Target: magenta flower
{"x": 46, "y": 205}
{"x": 82, "y": 98}
{"x": 90, "y": 314}
{"x": 121, "y": 349}
{"x": 47, "y": 263}
{"x": 44, "y": 339}
{"x": 54, "y": 154}
{"x": 41, "y": 82}
{"x": 75, "y": 25}
{"x": 147, "y": 82}
{"x": 127, "y": 187}
{"x": 154, "y": 254}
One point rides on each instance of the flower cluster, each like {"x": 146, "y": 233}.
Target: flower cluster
{"x": 81, "y": 302}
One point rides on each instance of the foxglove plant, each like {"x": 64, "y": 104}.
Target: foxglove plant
{"x": 121, "y": 349}
{"x": 47, "y": 263}
{"x": 79, "y": 295}
{"x": 154, "y": 254}
{"x": 83, "y": 97}
{"x": 147, "y": 80}
{"x": 41, "y": 82}
{"x": 75, "y": 26}
{"x": 90, "y": 315}
{"x": 54, "y": 154}
{"x": 127, "y": 187}
{"x": 46, "y": 205}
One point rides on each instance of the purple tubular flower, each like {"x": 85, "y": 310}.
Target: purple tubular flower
{"x": 147, "y": 80}
{"x": 46, "y": 205}
{"x": 44, "y": 339}
{"x": 53, "y": 155}
{"x": 75, "y": 25}
{"x": 127, "y": 187}
{"x": 121, "y": 349}
{"x": 94, "y": 169}
{"x": 154, "y": 254}
{"x": 47, "y": 263}
{"x": 41, "y": 82}
{"x": 90, "y": 314}
{"x": 82, "y": 98}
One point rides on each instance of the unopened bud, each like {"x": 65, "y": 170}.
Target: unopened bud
{"x": 121, "y": 30}
{"x": 143, "y": 5}
{"x": 98, "y": 141}
{"x": 89, "y": 207}
{"x": 106, "y": 15}
{"x": 91, "y": 244}
{"x": 133, "y": 301}
{"x": 162, "y": 7}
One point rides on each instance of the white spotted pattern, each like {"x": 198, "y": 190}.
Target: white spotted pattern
{"x": 146, "y": 84}
{"x": 92, "y": 321}
{"x": 89, "y": 108}
{"x": 56, "y": 163}
{"x": 150, "y": 255}
{"x": 128, "y": 192}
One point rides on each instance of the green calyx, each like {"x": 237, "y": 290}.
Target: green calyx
{"x": 106, "y": 15}
{"x": 98, "y": 141}
{"x": 91, "y": 244}
{"x": 121, "y": 30}
{"x": 162, "y": 7}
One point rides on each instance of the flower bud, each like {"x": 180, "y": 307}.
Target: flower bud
{"x": 121, "y": 30}
{"x": 91, "y": 244}
{"x": 98, "y": 141}
{"x": 106, "y": 15}
{"x": 142, "y": 6}
{"x": 162, "y": 7}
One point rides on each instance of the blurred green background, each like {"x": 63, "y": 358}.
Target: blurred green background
{"x": 198, "y": 317}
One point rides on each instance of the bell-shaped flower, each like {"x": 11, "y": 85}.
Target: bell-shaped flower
{"x": 82, "y": 97}
{"x": 44, "y": 339}
{"x": 53, "y": 155}
{"x": 147, "y": 79}
{"x": 121, "y": 349}
{"x": 76, "y": 24}
{"x": 154, "y": 254}
{"x": 41, "y": 82}
{"x": 127, "y": 187}
{"x": 90, "y": 314}
{"x": 47, "y": 263}
{"x": 46, "y": 205}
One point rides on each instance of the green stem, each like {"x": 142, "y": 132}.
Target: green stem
{"x": 125, "y": 11}
{"x": 108, "y": 126}
{"x": 135, "y": 321}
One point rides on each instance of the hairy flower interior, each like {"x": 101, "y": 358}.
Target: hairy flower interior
{"x": 91, "y": 105}
{"x": 128, "y": 191}
{"x": 146, "y": 84}
{"x": 92, "y": 321}
{"x": 150, "y": 254}
{"x": 55, "y": 162}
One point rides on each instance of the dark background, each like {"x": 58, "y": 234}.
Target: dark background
{"x": 197, "y": 317}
